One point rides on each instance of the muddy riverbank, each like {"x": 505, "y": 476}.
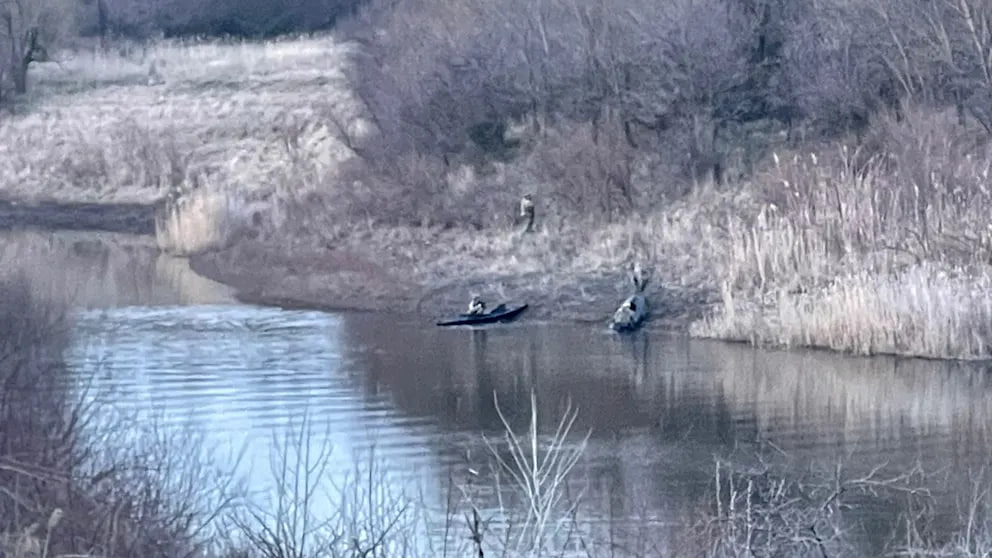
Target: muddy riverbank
{"x": 377, "y": 272}
{"x": 379, "y": 280}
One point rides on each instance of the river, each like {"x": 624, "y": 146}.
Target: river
{"x": 412, "y": 404}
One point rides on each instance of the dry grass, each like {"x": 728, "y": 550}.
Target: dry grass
{"x": 869, "y": 253}
{"x": 245, "y": 114}
{"x": 864, "y": 252}
{"x": 922, "y": 311}
{"x": 869, "y": 249}
{"x": 235, "y": 123}
{"x": 203, "y": 220}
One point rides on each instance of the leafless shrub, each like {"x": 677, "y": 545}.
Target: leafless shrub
{"x": 758, "y": 512}
{"x": 64, "y": 487}
{"x": 537, "y": 472}
{"x": 587, "y": 169}
{"x": 410, "y": 188}
{"x": 699, "y": 79}
{"x": 590, "y": 83}
{"x": 315, "y": 508}
{"x": 973, "y": 537}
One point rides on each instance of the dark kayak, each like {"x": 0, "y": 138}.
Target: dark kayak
{"x": 499, "y": 314}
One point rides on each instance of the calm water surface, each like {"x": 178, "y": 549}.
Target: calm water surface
{"x": 416, "y": 400}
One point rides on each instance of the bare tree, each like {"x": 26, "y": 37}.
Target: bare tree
{"x": 693, "y": 86}
{"x": 29, "y": 31}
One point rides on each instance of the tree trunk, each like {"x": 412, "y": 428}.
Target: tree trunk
{"x": 21, "y": 76}
{"x": 103, "y": 20}
{"x": 30, "y": 54}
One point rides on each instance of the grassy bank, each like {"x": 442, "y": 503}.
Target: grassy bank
{"x": 877, "y": 244}
{"x": 125, "y": 126}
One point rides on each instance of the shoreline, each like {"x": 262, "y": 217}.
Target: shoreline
{"x": 352, "y": 278}
{"x": 373, "y": 271}
{"x": 341, "y": 280}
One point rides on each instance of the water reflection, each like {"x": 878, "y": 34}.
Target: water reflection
{"x": 162, "y": 342}
{"x": 103, "y": 270}
{"x": 660, "y": 408}
{"x": 711, "y": 392}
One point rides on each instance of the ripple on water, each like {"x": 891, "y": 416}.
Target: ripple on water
{"x": 242, "y": 374}
{"x": 659, "y": 409}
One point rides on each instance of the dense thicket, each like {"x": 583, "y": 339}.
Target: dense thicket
{"x": 684, "y": 87}
{"x": 622, "y": 102}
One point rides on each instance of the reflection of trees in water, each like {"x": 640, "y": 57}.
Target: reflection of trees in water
{"x": 101, "y": 269}
{"x": 616, "y": 382}
{"x": 453, "y": 373}
{"x": 879, "y": 403}
{"x": 70, "y": 267}
{"x": 188, "y": 286}
{"x": 704, "y": 392}
{"x": 661, "y": 407}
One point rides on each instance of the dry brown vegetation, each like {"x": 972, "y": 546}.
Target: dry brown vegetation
{"x": 214, "y": 115}
{"x": 73, "y": 480}
{"x": 758, "y": 511}
{"x": 815, "y": 172}
{"x": 829, "y": 180}
{"x": 884, "y": 252}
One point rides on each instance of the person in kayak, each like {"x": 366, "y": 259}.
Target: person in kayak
{"x": 476, "y": 307}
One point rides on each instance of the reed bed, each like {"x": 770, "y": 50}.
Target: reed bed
{"x": 865, "y": 252}
{"x": 203, "y": 220}
{"x": 923, "y": 311}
